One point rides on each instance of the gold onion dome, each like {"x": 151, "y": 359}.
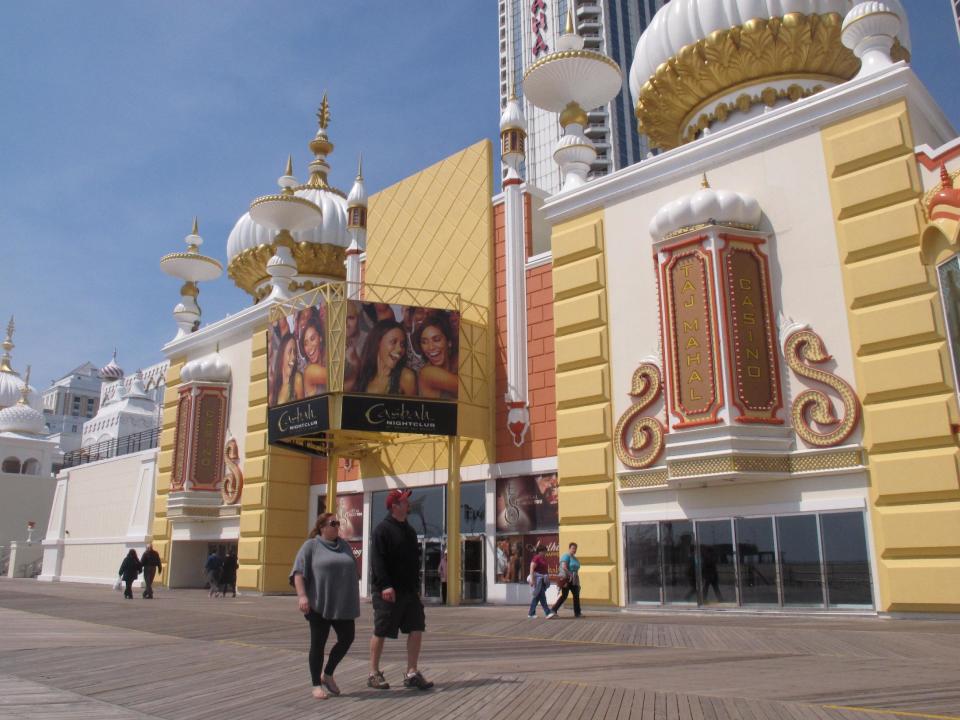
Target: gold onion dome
{"x": 22, "y": 417}
{"x": 319, "y": 251}
{"x": 11, "y": 385}
{"x": 704, "y": 65}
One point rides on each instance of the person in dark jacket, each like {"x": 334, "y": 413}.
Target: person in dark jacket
{"x": 151, "y": 567}
{"x": 395, "y": 558}
{"x": 212, "y": 568}
{"x": 129, "y": 571}
{"x": 228, "y": 574}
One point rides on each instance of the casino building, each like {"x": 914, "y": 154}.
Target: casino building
{"x": 728, "y": 372}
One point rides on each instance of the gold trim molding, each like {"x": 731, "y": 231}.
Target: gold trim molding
{"x": 248, "y": 269}
{"x": 794, "y": 464}
{"x": 795, "y": 44}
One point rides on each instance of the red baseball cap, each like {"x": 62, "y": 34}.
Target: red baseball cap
{"x": 395, "y": 496}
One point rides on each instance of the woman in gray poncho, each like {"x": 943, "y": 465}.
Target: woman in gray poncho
{"x": 325, "y": 576}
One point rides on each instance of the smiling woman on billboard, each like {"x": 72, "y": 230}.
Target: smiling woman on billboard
{"x": 383, "y": 369}
{"x": 288, "y": 382}
{"x": 435, "y": 340}
{"x": 312, "y": 349}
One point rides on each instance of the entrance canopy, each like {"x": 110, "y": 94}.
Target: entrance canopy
{"x": 346, "y": 375}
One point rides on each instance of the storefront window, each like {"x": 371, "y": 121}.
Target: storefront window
{"x": 473, "y": 503}
{"x": 718, "y": 571}
{"x": 845, "y": 559}
{"x": 426, "y": 516}
{"x": 758, "y": 561}
{"x": 643, "y": 563}
{"x": 526, "y": 517}
{"x": 679, "y": 562}
{"x": 350, "y": 515}
{"x": 765, "y": 561}
{"x": 800, "y": 560}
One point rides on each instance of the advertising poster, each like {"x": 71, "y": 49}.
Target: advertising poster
{"x": 297, "y": 356}
{"x": 527, "y": 503}
{"x": 401, "y": 350}
{"x": 514, "y": 553}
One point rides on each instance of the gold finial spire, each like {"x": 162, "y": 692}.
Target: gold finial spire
{"x": 289, "y": 170}
{"x": 513, "y": 92}
{"x": 360, "y": 167}
{"x": 571, "y": 28}
{"x": 704, "y": 183}
{"x": 323, "y": 114}
{"x": 25, "y": 390}
{"x": 7, "y": 346}
{"x": 196, "y": 227}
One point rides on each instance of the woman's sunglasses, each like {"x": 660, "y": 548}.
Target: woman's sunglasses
{"x": 333, "y": 523}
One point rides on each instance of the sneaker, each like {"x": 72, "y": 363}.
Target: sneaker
{"x": 530, "y": 617}
{"x": 551, "y": 615}
{"x": 377, "y": 681}
{"x": 416, "y": 680}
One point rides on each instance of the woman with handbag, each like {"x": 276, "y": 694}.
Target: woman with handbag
{"x": 539, "y": 582}
{"x": 129, "y": 571}
{"x": 570, "y": 575}
{"x": 325, "y": 577}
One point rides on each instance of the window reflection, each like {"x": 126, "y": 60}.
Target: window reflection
{"x": 718, "y": 575}
{"x": 679, "y": 562}
{"x": 949, "y": 273}
{"x": 758, "y": 561}
{"x": 845, "y": 559}
{"x": 643, "y": 563}
{"x": 800, "y": 560}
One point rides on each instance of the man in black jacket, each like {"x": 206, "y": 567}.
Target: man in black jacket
{"x": 151, "y": 567}
{"x": 395, "y": 559}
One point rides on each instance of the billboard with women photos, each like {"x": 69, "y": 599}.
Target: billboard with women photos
{"x": 401, "y": 350}
{"x": 297, "y": 358}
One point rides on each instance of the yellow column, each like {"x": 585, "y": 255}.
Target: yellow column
{"x": 276, "y": 494}
{"x": 331, "y": 501}
{"x": 901, "y": 360}
{"x": 453, "y": 521}
{"x": 160, "y": 528}
{"x": 587, "y": 499}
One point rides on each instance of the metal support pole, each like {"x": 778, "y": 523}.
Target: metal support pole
{"x": 454, "y": 571}
{"x": 332, "y": 462}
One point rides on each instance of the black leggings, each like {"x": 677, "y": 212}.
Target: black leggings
{"x": 319, "y": 630}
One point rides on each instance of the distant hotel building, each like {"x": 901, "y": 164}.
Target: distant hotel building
{"x": 528, "y": 31}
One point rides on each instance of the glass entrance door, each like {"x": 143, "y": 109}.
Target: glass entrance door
{"x": 431, "y": 550}
{"x": 473, "y": 577}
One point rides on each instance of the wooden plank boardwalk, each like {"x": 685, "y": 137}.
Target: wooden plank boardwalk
{"x": 74, "y": 651}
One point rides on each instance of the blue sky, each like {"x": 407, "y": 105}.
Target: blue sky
{"x": 121, "y": 121}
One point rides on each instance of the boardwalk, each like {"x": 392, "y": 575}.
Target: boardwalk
{"x": 73, "y": 652}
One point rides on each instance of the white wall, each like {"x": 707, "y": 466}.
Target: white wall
{"x": 24, "y": 498}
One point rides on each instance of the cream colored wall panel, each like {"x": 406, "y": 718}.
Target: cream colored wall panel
{"x": 906, "y": 423}
{"x": 587, "y": 503}
{"x": 905, "y": 373}
{"x": 887, "y": 278}
{"x": 919, "y": 472}
{"x": 584, "y": 463}
{"x": 910, "y": 321}
{"x": 578, "y": 277}
{"x": 583, "y": 387}
{"x": 580, "y": 313}
{"x": 877, "y": 186}
{"x": 918, "y": 529}
{"x": 881, "y": 138}
{"x": 930, "y": 585}
{"x": 576, "y": 240}
{"x": 581, "y": 349}
{"x": 589, "y": 424}
{"x": 885, "y": 230}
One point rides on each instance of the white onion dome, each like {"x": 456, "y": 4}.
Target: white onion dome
{"x": 137, "y": 390}
{"x": 209, "y": 368}
{"x": 512, "y": 116}
{"x": 705, "y": 64}
{"x": 358, "y": 193}
{"x": 319, "y": 251}
{"x": 21, "y": 418}
{"x": 111, "y": 371}
{"x": 11, "y": 390}
{"x": 706, "y": 207}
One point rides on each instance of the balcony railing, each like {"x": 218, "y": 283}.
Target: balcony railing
{"x": 113, "y": 448}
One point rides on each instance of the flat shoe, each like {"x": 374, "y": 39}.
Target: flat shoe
{"x": 330, "y": 686}
{"x": 319, "y": 693}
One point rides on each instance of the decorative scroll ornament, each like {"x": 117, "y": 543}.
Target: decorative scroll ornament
{"x": 640, "y": 439}
{"x": 800, "y": 348}
{"x": 232, "y": 486}
{"x": 518, "y": 421}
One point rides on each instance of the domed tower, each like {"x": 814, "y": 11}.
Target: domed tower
{"x": 11, "y": 386}
{"x": 357, "y": 225}
{"x": 704, "y": 65}
{"x": 319, "y": 252}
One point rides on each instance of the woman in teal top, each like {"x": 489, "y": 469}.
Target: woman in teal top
{"x": 570, "y": 569}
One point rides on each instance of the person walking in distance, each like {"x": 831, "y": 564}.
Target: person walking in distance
{"x": 212, "y": 568}
{"x": 395, "y": 559}
{"x": 129, "y": 571}
{"x": 151, "y": 567}
{"x": 539, "y": 582}
{"x": 228, "y": 574}
{"x": 570, "y": 571}
{"x": 442, "y": 572}
{"x": 325, "y": 577}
